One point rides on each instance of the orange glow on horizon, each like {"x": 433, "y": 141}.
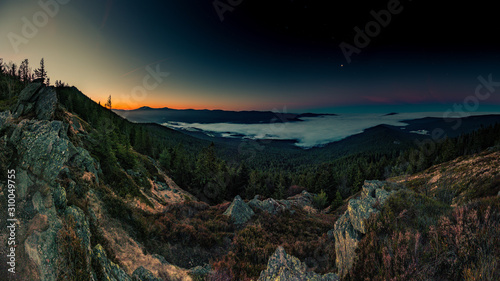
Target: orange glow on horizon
{"x": 186, "y": 107}
{"x": 195, "y": 106}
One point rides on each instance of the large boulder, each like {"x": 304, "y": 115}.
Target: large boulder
{"x": 351, "y": 226}
{"x": 282, "y": 266}
{"x": 346, "y": 242}
{"x": 239, "y": 211}
{"x": 269, "y": 205}
{"x": 37, "y": 101}
{"x": 302, "y": 199}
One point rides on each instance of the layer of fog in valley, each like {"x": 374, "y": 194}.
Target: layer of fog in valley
{"x": 313, "y": 131}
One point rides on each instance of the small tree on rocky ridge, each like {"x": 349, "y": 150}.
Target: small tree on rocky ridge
{"x": 41, "y": 73}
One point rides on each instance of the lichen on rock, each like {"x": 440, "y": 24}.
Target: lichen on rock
{"x": 351, "y": 226}
{"x": 239, "y": 211}
{"x": 284, "y": 267}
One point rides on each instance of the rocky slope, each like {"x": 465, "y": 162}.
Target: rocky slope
{"x": 61, "y": 221}
{"x": 461, "y": 180}
{"x": 351, "y": 226}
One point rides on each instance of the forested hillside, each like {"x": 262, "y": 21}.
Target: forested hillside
{"x": 220, "y": 170}
{"x": 101, "y": 198}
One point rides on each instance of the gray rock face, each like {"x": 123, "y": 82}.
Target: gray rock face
{"x": 43, "y": 147}
{"x": 83, "y": 160}
{"x": 359, "y": 210}
{"x": 59, "y": 196}
{"x": 142, "y": 274}
{"x": 38, "y": 100}
{"x": 105, "y": 269}
{"x": 200, "y": 271}
{"x": 41, "y": 246}
{"x": 284, "y": 267}
{"x": 346, "y": 242}
{"x": 269, "y": 205}
{"x": 23, "y": 182}
{"x": 5, "y": 117}
{"x": 351, "y": 226}
{"x": 301, "y": 200}
{"x": 81, "y": 225}
{"x": 239, "y": 211}
{"x": 43, "y": 152}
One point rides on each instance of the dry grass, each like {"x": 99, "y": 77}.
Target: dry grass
{"x": 462, "y": 179}
{"x": 129, "y": 253}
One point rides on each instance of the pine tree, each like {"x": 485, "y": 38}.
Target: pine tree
{"x": 25, "y": 71}
{"x": 337, "y": 202}
{"x": 13, "y": 70}
{"x": 108, "y": 104}
{"x": 41, "y": 73}
{"x": 320, "y": 201}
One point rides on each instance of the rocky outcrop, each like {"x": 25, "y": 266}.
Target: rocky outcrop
{"x": 5, "y": 117}
{"x": 43, "y": 147}
{"x": 239, "y": 211}
{"x": 40, "y": 151}
{"x": 351, "y": 226}
{"x": 106, "y": 269}
{"x": 37, "y": 101}
{"x": 199, "y": 272}
{"x": 142, "y": 274}
{"x": 284, "y": 267}
{"x": 54, "y": 175}
{"x": 269, "y": 205}
{"x": 41, "y": 244}
{"x": 303, "y": 201}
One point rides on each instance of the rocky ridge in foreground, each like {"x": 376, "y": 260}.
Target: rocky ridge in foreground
{"x": 351, "y": 226}
{"x": 56, "y": 202}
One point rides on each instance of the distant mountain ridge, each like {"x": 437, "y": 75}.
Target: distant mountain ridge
{"x": 148, "y": 114}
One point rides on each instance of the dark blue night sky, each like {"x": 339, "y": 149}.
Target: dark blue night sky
{"x": 262, "y": 56}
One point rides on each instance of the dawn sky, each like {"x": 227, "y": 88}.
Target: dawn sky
{"x": 261, "y": 56}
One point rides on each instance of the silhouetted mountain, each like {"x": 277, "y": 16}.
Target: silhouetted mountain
{"x": 162, "y": 115}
